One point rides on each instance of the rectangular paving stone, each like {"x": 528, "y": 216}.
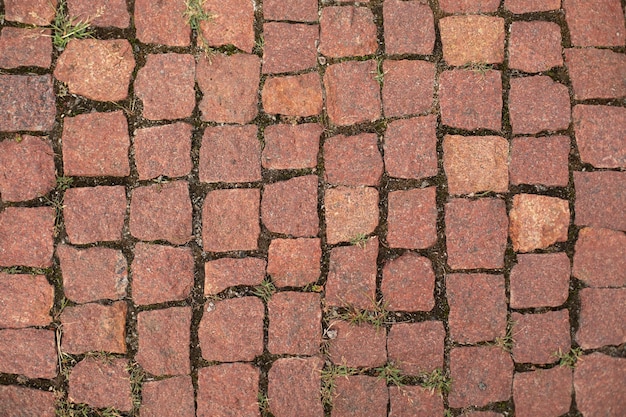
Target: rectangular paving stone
{"x": 230, "y": 154}
{"x": 600, "y": 199}
{"x": 414, "y": 401}
{"x": 408, "y": 283}
{"x": 289, "y": 47}
{"x": 20, "y": 47}
{"x": 602, "y": 319}
{"x": 538, "y": 221}
{"x": 469, "y": 6}
{"x": 360, "y": 395}
{"x": 26, "y": 236}
{"x": 290, "y": 207}
{"x": 410, "y": 148}
{"x": 535, "y": 46}
{"x": 230, "y": 272}
{"x": 360, "y": 345}
{"x": 540, "y": 280}
{"x": 350, "y": 213}
{"x": 416, "y": 348}
{"x": 353, "y": 160}
{"x": 412, "y": 218}
{"x": 408, "y": 87}
{"x": 294, "y": 262}
{"x": 162, "y": 22}
{"x": 595, "y": 73}
{"x": 601, "y": 135}
{"x": 538, "y": 338}
{"x": 163, "y": 150}
{"x": 347, "y": 31}
{"x": 171, "y": 397}
{"x": 543, "y": 392}
{"x": 94, "y": 327}
{"x": 598, "y": 385}
{"x": 295, "y": 323}
{"x": 409, "y": 27}
{"x": 296, "y": 10}
{"x": 25, "y": 300}
{"x": 600, "y": 257}
{"x": 101, "y": 383}
{"x": 294, "y": 95}
{"x": 282, "y": 390}
{"x": 541, "y": 160}
{"x": 595, "y": 22}
{"x": 29, "y": 402}
{"x": 27, "y": 103}
{"x": 233, "y": 24}
{"x": 28, "y": 352}
{"x": 34, "y": 12}
{"x": 291, "y": 146}
{"x": 472, "y": 39}
{"x": 228, "y": 389}
{"x": 529, "y": 6}
{"x": 538, "y": 104}
{"x": 103, "y": 13}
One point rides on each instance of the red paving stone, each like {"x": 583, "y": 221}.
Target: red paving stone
{"x": 161, "y": 273}
{"x": 26, "y": 168}
{"x": 93, "y": 274}
{"x": 477, "y": 307}
{"x": 357, "y": 345}
{"x": 295, "y": 323}
{"x": 165, "y": 86}
{"x": 352, "y": 160}
{"x": 26, "y": 300}
{"x": 408, "y": 87}
{"x": 416, "y": 348}
{"x": 408, "y": 283}
{"x": 311, "y": 121}
{"x": 25, "y": 48}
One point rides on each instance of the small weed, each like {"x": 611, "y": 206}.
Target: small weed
{"x": 391, "y": 374}
{"x": 65, "y": 28}
{"x": 506, "y": 342}
{"x": 63, "y": 183}
{"x": 260, "y": 43}
{"x": 264, "y": 403}
{"x": 478, "y": 67}
{"x": 447, "y": 413}
{"x": 264, "y": 290}
{"x": 379, "y": 74}
{"x": 569, "y": 359}
{"x": 195, "y": 14}
{"x": 13, "y": 270}
{"x": 57, "y": 203}
{"x": 137, "y": 376}
{"x": 329, "y": 375}
{"x": 376, "y": 317}
{"x": 41, "y": 271}
{"x": 359, "y": 240}
{"x": 436, "y": 381}
{"x": 313, "y": 288}
{"x": 18, "y": 138}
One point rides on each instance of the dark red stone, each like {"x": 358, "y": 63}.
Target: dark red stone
{"x": 162, "y": 22}
{"x": 601, "y": 135}
{"x": 595, "y": 22}
{"x": 543, "y": 393}
{"x": 25, "y": 48}
{"x": 409, "y": 283}
{"x": 34, "y": 12}
{"x": 541, "y": 160}
{"x": 163, "y": 150}
{"x": 295, "y": 323}
{"x": 172, "y": 397}
{"x": 352, "y": 160}
{"x": 595, "y": 73}
{"x": 347, "y": 31}
{"x": 537, "y": 338}
{"x": 412, "y": 218}
{"x": 360, "y": 395}
{"x": 26, "y": 300}
{"x": 602, "y": 320}
{"x": 282, "y": 390}
{"x": 26, "y": 103}
{"x": 600, "y": 199}
{"x": 535, "y": 46}
{"x": 103, "y": 13}
{"x": 598, "y": 382}
{"x": 408, "y": 87}
{"x": 410, "y": 147}
{"x": 94, "y": 327}
{"x": 358, "y": 345}
{"x": 540, "y": 280}
{"x": 409, "y": 27}
{"x": 231, "y": 23}
{"x": 101, "y": 383}
{"x": 600, "y": 257}
{"x": 296, "y": 10}
{"x": 228, "y": 390}
{"x": 416, "y": 348}
{"x": 538, "y": 104}
{"x": 289, "y": 47}
{"x": 290, "y": 207}
{"x": 414, "y": 401}
{"x": 28, "y": 352}
{"x": 469, "y": 6}
{"x": 26, "y": 236}
{"x": 227, "y": 272}
{"x": 230, "y": 154}
{"x": 294, "y": 262}
{"x": 291, "y": 146}
{"x": 27, "y": 402}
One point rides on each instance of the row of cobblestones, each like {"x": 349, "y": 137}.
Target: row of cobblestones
{"x": 308, "y": 208}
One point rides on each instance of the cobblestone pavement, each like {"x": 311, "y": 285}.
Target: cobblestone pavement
{"x": 302, "y": 208}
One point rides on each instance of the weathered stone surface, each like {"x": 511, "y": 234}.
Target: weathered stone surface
{"x": 412, "y": 218}
{"x": 164, "y": 337}
{"x": 480, "y": 375}
{"x": 535, "y": 46}
{"x": 471, "y": 99}
{"x": 600, "y": 257}
{"x": 296, "y": 10}
{"x": 229, "y": 85}
{"x": 352, "y": 275}
{"x": 600, "y": 199}
{"x": 598, "y": 382}
{"x": 294, "y": 262}
{"x": 161, "y": 212}
{"x": 33, "y": 12}
{"x": 601, "y": 135}
{"x": 469, "y": 6}
{"x": 162, "y": 22}
{"x": 230, "y": 220}
{"x": 26, "y": 168}
{"x": 543, "y": 393}
{"x": 409, "y": 283}
{"x": 93, "y": 214}
{"x": 476, "y": 233}
{"x": 232, "y": 330}
{"x": 290, "y": 207}
{"x": 25, "y": 48}
{"x": 538, "y": 103}
{"x": 410, "y": 147}
{"x": 26, "y": 103}
{"x": 360, "y": 395}
{"x": 476, "y": 163}
{"x": 94, "y": 327}
{"x": 163, "y": 150}
{"x": 595, "y": 73}
{"x": 228, "y": 390}
{"x": 540, "y": 280}
{"x": 541, "y": 160}
{"x": 353, "y": 160}
{"x": 602, "y": 320}
{"x": 477, "y": 307}
{"x": 537, "y": 338}
{"x": 232, "y": 23}
{"x": 296, "y": 95}
{"x": 103, "y": 13}
{"x": 528, "y": 6}
{"x": 96, "y": 144}
{"x": 414, "y": 401}
{"x": 295, "y": 323}
{"x": 101, "y": 383}
{"x": 289, "y": 47}
{"x": 93, "y": 274}
{"x": 416, "y": 348}
{"x": 347, "y": 31}
{"x": 230, "y": 154}
{"x": 358, "y": 346}
{"x": 227, "y": 272}
{"x": 409, "y": 27}
{"x": 161, "y": 273}
{"x": 291, "y": 146}
{"x": 595, "y": 22}
{"x": 408, "y": 87}
{"x": 538, "y": 221}
{"x": 172, "y": 397}
{"x": 28, "y": 352}
{"x": 350, "y": 212}
{"x": 472, "y": 39}
{"x": 352, "y": 93}
{"x": 25, "y": 300}
{"x": 26, "y": 236}
{"x": 165, "y": 85}
{"x": 282, "y": 390}
{"x": 26, "y": 401}
{"x": 97, "y": 69}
